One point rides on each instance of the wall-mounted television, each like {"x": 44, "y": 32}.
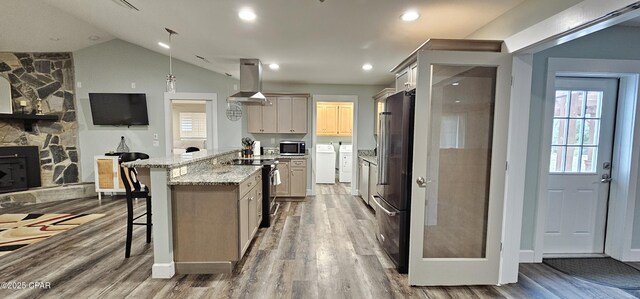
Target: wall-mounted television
{"x": 119, "y": 109}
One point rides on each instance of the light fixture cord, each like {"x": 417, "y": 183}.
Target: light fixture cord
{"x": 170, "y": 57}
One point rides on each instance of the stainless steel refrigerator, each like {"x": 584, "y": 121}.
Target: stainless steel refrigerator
{"x": 392, "y": 199}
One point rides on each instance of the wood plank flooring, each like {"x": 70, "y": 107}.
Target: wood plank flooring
{"x": 322, "y": 247}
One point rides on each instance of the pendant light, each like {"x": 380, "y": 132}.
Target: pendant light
{"x": 171, "y": 79}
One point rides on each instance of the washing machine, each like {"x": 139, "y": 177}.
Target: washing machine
{"x": 325, "y": 164}
{"x": 346, "y": 163}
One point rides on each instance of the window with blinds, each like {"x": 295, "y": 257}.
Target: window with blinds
{"x": 193, "y": 125}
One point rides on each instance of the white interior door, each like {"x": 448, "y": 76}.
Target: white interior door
{"x": 460, "y": 142}
{"x": 580, "y": 165}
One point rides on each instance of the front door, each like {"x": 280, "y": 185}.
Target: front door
{"x": 580, "y": 165}
{"x": 459, "y": 158}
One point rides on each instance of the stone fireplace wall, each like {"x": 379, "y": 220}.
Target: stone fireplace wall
{"x": 48, "y": 76}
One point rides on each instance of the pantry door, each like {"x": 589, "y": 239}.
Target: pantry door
{"x": 462, "y": 111}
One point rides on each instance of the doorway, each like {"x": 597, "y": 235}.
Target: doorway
{"x": 579, "y": 172}
{"x": 334, "y": 147}
{"x": 334, "y": 128}
{"x": 622, "y": 171}
{"x": 191, "y": 122}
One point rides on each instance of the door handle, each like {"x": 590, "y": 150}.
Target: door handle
{"x": 422, "y": 182}
{"x": 606, "y": 178}
{"x": 391, "y": 214}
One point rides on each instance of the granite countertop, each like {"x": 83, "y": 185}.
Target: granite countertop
{"x": 181, "y": 159}
{"x": 305, "y": 156}
{"x": 223, "y": 175}
{"x": 371, "y": 159}
{"x": 276, "y": 156}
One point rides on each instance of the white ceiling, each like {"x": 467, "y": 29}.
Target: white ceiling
{"x": 313, "y": 41}
{"x": 32, "y": 26}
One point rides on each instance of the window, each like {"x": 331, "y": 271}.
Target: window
{"x": 193, "y": 125}
{"x": 576, "y": 131}
{"x": 452, "y": 131}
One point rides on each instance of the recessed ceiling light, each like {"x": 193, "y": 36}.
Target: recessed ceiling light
{"x": 274, "y": 66}
{"x": 161, "y": 44}
{"x": 367, "y": 66}
{"x": 458, "y": 101}
{"x": 409, "y": 16}
{"x": 455, "y": 83}
{"x": 94, "y": 38}
{"x": 246, "y": 14}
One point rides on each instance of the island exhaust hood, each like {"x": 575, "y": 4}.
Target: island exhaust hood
{"x": 250, "y": 83}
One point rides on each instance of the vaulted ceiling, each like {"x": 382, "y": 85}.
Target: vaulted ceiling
{"x": 313, "y": 41}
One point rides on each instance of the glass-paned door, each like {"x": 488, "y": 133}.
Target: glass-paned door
{"x": 459, "y": 168}
{"x": 579, "y": 165}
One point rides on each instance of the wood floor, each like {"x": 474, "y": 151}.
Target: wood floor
{"x": 337, "y": 189}
{"x": 322, "y": 247}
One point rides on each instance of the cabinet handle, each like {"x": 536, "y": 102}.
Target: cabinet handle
{"x": 251, "y": 198}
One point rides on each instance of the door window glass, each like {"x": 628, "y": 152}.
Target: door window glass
{"x": 459, "y": 161}
{"x": 576, "y": 131}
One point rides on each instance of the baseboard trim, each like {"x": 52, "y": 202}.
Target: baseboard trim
{"x": 633, "y": 256}
{"x": 527, "y": 256}
{"x": 163, "y": 271}
{"x": 204, "y": 267}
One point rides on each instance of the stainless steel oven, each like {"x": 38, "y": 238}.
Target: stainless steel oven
{"x": 269, "y": 206}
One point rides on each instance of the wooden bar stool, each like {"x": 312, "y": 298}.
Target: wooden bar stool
{"x": 134, "y": 190}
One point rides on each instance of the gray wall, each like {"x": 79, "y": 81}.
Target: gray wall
{"x": 112, "y": 67}
{"x": 612, "y": 43}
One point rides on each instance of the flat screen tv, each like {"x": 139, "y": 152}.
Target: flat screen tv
{"x": 119, "y": 109}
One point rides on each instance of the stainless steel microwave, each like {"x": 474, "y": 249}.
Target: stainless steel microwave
{"x": 292, "y": 148}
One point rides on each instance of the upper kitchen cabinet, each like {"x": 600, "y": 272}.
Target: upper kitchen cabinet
{"x": 378, "y": 106}
{"x": 263, "y": 118}
{"x": 345, "y": 119}
{"x": 402, "y": 79}
{"x": 334, "y": 119}
{"x": 283, "y": 113}
{"x": 407, "y": 71}
{"x": 327, "y": 120}
{"x": 292, "y": 114}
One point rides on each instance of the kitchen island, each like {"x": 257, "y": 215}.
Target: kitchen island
{"x": 204, "y": 212}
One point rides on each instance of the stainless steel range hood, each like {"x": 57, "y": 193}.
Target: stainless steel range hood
{"x": 250, "y": 83}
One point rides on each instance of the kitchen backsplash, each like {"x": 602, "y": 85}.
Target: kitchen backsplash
{"x": 366, "y": 152}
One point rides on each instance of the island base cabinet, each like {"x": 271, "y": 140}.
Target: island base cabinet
{"x": 213, "y": 225}
{"x": 205, "y": 226}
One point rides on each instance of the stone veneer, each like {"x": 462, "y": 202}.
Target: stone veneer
{"x": 48, "y": 76}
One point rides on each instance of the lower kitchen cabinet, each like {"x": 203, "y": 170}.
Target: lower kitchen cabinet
{"x": 214, "y": 225}
{"x": 363, "y": 180}
{"x": 294, "y": 173}
{"x": 373, "y": 180}
{"x": 298, "y": 178}
{"x": 283, "y": 167}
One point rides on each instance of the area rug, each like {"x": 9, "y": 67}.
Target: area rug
{"x": 603, "y": 271}
{"x": 20, "y": 230}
